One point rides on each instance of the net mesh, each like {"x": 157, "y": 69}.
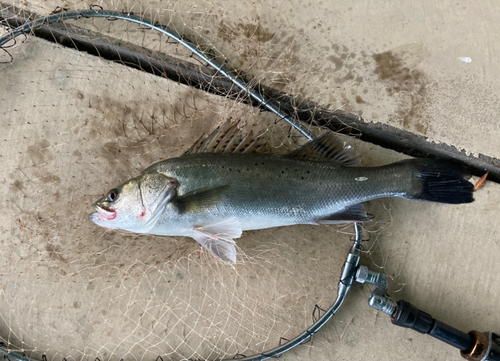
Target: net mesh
{"x": 74, "y": 125}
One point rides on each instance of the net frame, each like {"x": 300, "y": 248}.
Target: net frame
{"x": 350, "y": 266}
{"x": 293, "y": 109}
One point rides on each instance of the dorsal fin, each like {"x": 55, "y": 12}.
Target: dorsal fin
{"x": 244, "y": 143}
{"x": 214, "y": 139}
{"x": 226, "y": 139}
{"x": 327, "y": 148}
{"x": 196, "y": 146}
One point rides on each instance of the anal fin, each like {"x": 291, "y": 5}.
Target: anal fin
{"x": 354, "y": 213}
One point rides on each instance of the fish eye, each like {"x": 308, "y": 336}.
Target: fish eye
{"x": 113, "y": 195}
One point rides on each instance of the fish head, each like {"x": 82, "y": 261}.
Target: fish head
{"x": 135, "y": 205}
{"x": 120, "y": 208}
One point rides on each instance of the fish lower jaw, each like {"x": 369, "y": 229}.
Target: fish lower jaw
{"x": 103, "y": 213}
{"x": 101, "y": 219}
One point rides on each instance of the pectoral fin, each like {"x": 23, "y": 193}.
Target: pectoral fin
{"x": 354, "y": 213}
{"x": 218, "y": 238}
{"x": 202, "y": 199}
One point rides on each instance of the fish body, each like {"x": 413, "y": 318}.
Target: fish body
{"x": 214, "y": 193}
{"x": 269, "y": 191}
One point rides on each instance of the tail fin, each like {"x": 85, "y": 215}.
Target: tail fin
{"x": 442, "y": 181}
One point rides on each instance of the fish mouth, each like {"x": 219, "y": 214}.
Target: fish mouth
{"x": 102, "y": 213}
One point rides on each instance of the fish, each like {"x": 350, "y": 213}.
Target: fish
{"x": 226, "y": 184}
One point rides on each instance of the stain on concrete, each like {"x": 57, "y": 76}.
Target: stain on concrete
{"x": 257, "y": 47}
{"x": 39, "y": 153}
{"x": 17, "y": 185}
{"x": 392, "y": 70}
{"x": 408, "y": 84}
{"x": 249, "y": 54}
{"x": 130, "y": 137}
{"x": 281, "y": 81}
{"x": 77, "y": 154}
{"x": 255, "y": 31}
{"x": 347, "y": 77}
{"x": 51, "y": 178}
{"x": 226, "y": 32}
{"x": 55, "y": 252}
{"x": 250, "y": 30}
{"x": 359, "y": 100}
{"x": 339, "y": 63}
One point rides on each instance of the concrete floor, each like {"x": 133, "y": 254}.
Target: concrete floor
{"x": 73, "y": 126}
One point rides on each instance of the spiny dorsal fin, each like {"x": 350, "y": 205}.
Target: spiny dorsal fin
{"x": 327, "y": 148}
{"x": 214, "y": 139}
{"x": 225, "y": 139}
{"x": 244, "y": 143}
{"x": 196, "y": 146}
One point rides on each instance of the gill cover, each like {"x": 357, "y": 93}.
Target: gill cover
{"x": 156, "y": 190}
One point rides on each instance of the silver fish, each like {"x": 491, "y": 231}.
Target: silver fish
{"x": 220, "y": 188}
